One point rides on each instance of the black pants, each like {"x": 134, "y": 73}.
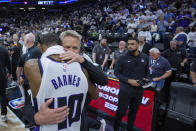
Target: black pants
{"x": 27, "y": 106}
{"x": 131, "y": 98}
{"x": 166, "y": 89}
{"x": 4, "y": 100}
{"x": 27, "y": 96}
{"x": 86, "y": 121}
{"x": 14, "y": 67}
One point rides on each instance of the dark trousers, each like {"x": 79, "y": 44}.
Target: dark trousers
{"x": 131, "y": 98}
{"x": 27, "y": 106}
{"x": 14, "y": 67}
{"x": 4, "y": 100}
{"x": 86, "y": 121}
{"x": 27, "y": 96}
{"x": 92, "y": 123}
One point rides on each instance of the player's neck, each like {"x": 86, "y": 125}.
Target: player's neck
{"x": 55, "y": 57}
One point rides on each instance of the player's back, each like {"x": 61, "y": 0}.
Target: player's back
{"x": 67, "y": 85}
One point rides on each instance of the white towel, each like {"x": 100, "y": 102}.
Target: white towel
{"x": 53, "y": 50}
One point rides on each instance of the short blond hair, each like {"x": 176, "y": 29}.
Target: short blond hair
{"x": 70, "y": 33}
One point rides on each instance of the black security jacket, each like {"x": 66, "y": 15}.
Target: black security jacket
{"x": 131, "y": 67}
{"x": 4, "y": 62}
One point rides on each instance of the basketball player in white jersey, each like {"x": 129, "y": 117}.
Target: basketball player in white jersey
{"x": 65, "y": 83}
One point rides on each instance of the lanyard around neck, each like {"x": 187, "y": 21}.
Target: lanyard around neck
{"x": 153, "y": 63}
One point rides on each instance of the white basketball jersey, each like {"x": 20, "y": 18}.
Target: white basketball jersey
{"x": 67, "y": 85}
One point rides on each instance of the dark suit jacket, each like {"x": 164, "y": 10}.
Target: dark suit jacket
{"x": 146, "y": 48}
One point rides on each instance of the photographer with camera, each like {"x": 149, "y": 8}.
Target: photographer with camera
{"x": 130, "y": 69}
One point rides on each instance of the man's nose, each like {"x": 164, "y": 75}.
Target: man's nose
{"x": 71, "y": 49}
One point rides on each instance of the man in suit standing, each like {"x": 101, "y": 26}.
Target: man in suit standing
{"x": 143, "y": 46}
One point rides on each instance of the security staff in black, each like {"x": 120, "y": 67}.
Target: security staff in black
{"x": 177, "y": 57}
{"x": 130, "y": 68}
{"x": 4, "y": 63}
{"x": 33, "y": 52}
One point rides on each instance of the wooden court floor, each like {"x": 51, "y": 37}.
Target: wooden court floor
{"x": 13, "y": 123}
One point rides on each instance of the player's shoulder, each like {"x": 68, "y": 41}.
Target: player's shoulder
{"x": 31, "y": 63}
{"x": 32, "y": 72}
{"x": 31, "y": 66}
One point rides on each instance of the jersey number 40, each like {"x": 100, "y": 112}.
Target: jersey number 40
{"x": 74, "y": 103}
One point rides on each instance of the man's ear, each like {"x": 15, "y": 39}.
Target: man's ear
{"x": 39, "y": 46}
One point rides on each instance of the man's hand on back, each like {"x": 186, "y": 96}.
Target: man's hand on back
{"x": 71, "y": 56}
{"x": 50, "y": 116}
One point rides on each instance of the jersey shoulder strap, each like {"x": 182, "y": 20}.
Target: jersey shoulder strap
{"x": 40, "y": 67}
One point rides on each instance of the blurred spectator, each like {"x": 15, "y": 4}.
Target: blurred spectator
{"x": 177, "y": 58}
{"x": 141, "y": 25}
{"x": 158, "y": 12}
{"x": 184, "y": 19}
{"x": 101, "y": 53}
{"x": 118, "y": 28}
{"x": 153, "y": 27}
{"x": 15, "y": 54}
{"x": 194, "y": 4}
{"x": 21, "y": 41}
{"x": 193, "y": 23}
{"x": 181, "y": 37}
{"x": 159, "y": 67}
{"x": 4, "y": 63}
{"x": 119, "y": 52}
{"x": 153, "y": 31}
{"x": 192, "y": 42}
{"x": 95, "y": 34}
{"x": 16, "y": 42}
{"x": 193, "y": 73}
{"x": 162, "y": 27}
{"x": 171, "y": 25}
{"x": 86, "y": 27}
{"x": 144, "y": 47}
{"x": 145, "y": 33}
{"x": 131, "y": 26}
{"x": 168, "y": 15}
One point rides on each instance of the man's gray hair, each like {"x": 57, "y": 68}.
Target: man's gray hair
{"x": 30, "y": 37}
{"x": 70, "y": 33}
{"x": 122, "y": 41}
{"x": 155, "y": 50}
{"x": 173, "y": 41}
{"x": 180, "y": 28}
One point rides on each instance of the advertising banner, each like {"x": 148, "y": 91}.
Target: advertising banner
{"x": 108, "y": 100}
